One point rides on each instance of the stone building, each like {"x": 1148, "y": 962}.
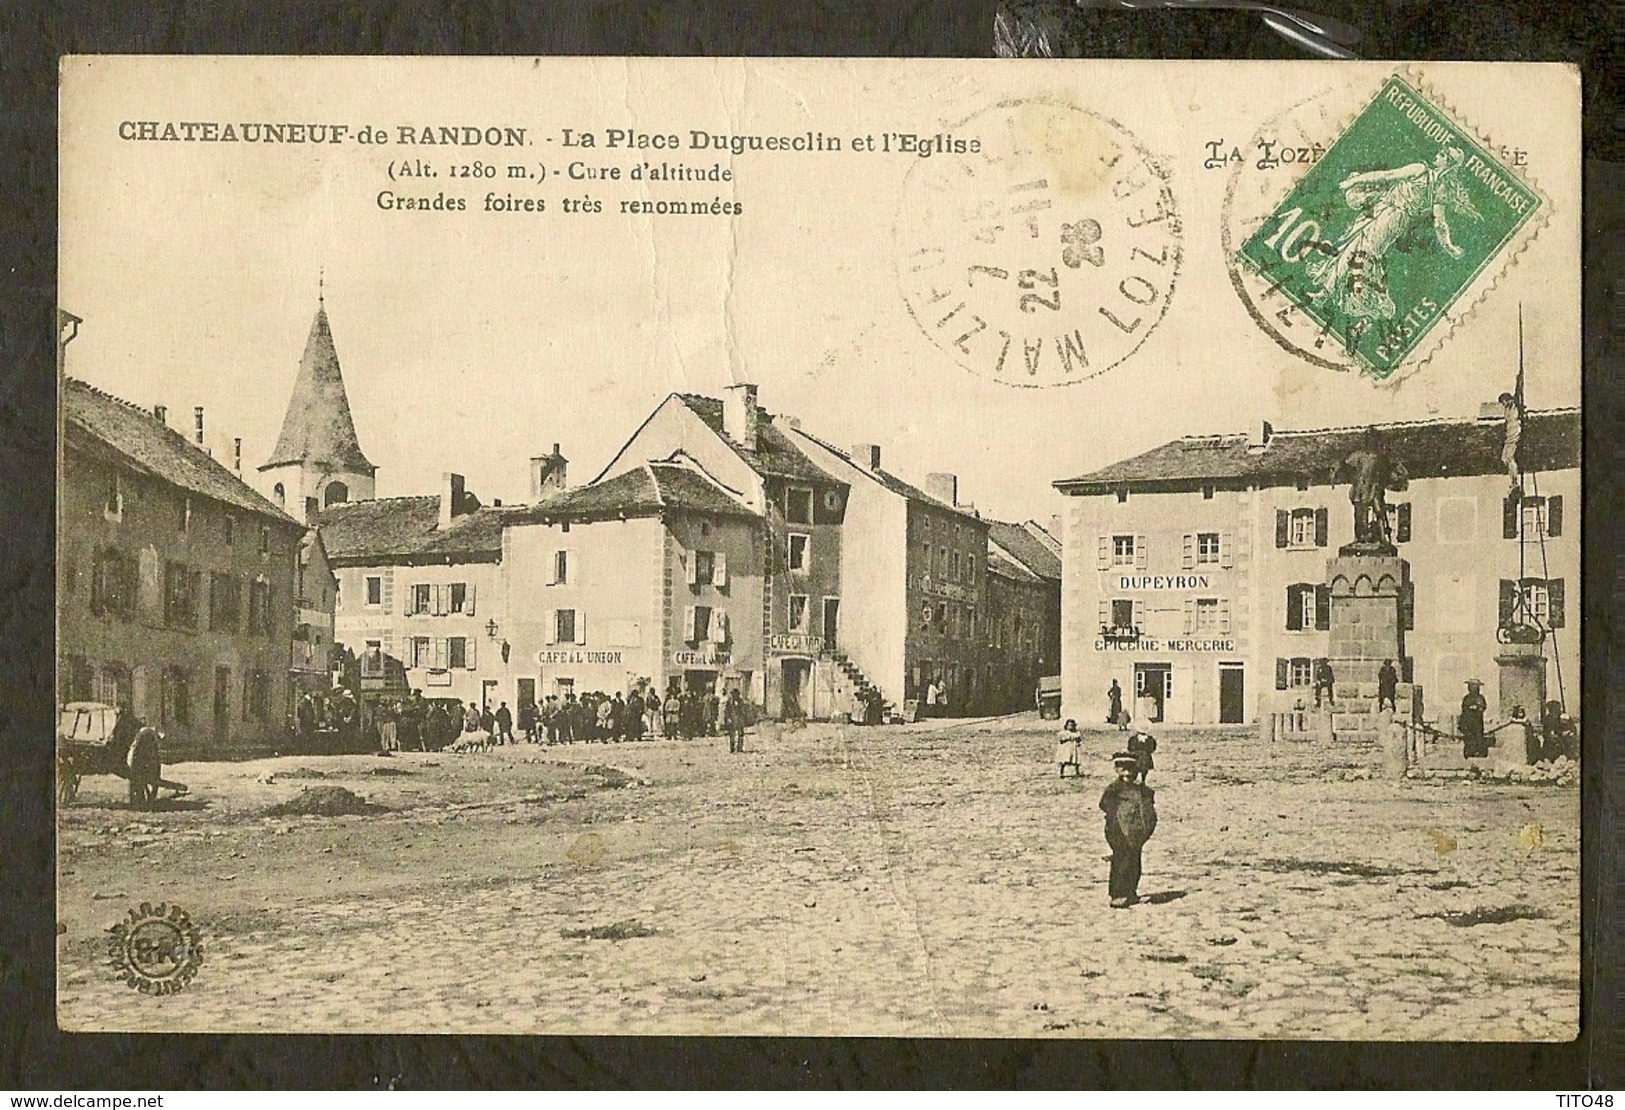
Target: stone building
{"x": 1196, "y": 573}
{"x": 1023, "y": 633}
{"x": 916, "y": 566}
{"x": 651, "y": 578}
{"x": 176, "y": 582}
{"x": 744, "y": 448}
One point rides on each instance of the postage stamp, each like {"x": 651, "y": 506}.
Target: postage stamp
{"x": 156, "y": 949}
{"x": 1046, "y": 257}
{"x": 1389, "y": 227}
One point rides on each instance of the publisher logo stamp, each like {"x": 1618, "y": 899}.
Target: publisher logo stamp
{"x": 1369, "y": 259}
{"x": 1048, "y": 255}
{"x": 156, "y": 949}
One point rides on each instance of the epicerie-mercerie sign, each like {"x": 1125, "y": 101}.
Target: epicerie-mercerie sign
{"x": 567, "y": 658}
{"x": 1146, "y": 643}
{"x": 1162, "y": 582}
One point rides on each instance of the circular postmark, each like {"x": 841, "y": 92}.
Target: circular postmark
{"x": 1045, "y": 256}
{"x": 1263, "y": 170}
{"x": 156, "y": 949}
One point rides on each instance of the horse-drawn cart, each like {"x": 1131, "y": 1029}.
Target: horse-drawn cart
{"x": 93, "y": 738}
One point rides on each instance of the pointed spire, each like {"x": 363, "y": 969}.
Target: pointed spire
{"x": 318, "y": 427}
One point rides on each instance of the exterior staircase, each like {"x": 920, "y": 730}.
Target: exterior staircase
{"x": 860, "y": 681}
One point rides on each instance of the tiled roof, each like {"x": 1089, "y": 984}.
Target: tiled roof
{"x": 650, "y": 490}
{"x": 1428, "y": 449}
{"x": 100, "y": 423}
{"x": 1025, "y": 548}
{"x": 889, "y": 480}
{"x": 318, "y": 427}
{"x": 1007, "y": 568}
{"x": 775, "y": 455}
{"x": 406, "y": 530}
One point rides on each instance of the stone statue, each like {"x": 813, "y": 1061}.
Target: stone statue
{"x": 1371, "y": 474}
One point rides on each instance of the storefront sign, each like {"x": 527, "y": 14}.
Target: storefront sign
{"x": 950, "y": 590}
{"x": 702, "y": 658}
{"x": 1145, "y": 643}
{"x": 567, "y": 658}
{"x": 1162, "y": 582}
{"x": 800, "y": 643}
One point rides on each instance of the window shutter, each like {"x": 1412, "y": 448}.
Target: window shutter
{"x": 1224, "y": 616}
{"x": 1283, "y": 524}
{"x": 693, "y": 568}
{"x": 1281, "y": 674}
{"x": 1554, "y": 602}
{"x": 1322, "y": 527}
{"x": 1509, "y": 517}
{"x": 442, "y": 600}
{"x": 1136, "y": 614}
{"x": 1139, "y": 552}
{"x": 471, "y": 646}
{"x": 1187, "y": 553}
{"x": 553, "y": 568}
{"x": 441, "y": 653}
{"x": 1294, "y": 608}
{"x": 552, "y": 626}
{"x": 468, "y": 600}
{"x": 1105, "y": 557}
{"x": 1227, "y": 549}
{"x": 1105, "y": 609}
{"x": 1323, "y": 607}
{"x": 719, "y": 626}
{"x": 1402, "y": 523}
{"x": 1407, "y": 606}
{"x": 406, "y": 595}
{"x": 1554, "y": 515}
{"x": 1508, "y": 601}
{"x": 689, "y": 627}
{"x": 581, "y": 627}
{"x": 572, "y": 567}
{"x": 719, "y": 570}
{"x": 1190, "y": 615}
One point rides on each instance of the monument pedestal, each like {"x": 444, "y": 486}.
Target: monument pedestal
{"x": 1368, "y": 584}
{"x": 1522, "y": 670}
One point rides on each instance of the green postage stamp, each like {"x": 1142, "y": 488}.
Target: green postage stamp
{"x": 1387, "y": 230}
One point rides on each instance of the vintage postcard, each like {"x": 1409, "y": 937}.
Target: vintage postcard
{"x": 814, "y": 547}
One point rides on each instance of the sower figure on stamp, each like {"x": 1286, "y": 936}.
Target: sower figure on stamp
{"x": 1131, "y": 818}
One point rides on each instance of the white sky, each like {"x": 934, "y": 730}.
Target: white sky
{"x": 472, "y": 341}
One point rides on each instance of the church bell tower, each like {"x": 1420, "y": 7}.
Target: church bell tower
{"x": 318, "y": 461}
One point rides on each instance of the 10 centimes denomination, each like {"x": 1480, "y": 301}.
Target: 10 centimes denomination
{"x": 1046, "y": 257}
{"x": 1390, "y": 234}
{"x": 155, "y": 949}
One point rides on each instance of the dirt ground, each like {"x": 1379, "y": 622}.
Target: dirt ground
{"x": 936, "y": 879}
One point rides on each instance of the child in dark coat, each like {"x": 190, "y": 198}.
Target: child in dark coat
{"x": 1131, "y": 818}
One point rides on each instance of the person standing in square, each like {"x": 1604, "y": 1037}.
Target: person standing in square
{"x": 1131, "y": 818}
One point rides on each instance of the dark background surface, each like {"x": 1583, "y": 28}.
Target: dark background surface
{"x": 33, "y": 1055}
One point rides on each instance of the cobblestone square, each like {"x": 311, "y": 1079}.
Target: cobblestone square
{"x": 936, "y": 879}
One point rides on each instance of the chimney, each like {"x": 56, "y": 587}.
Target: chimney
{"x": 1259, "y": 437}
{"x": 451, "y": 498}
{"x": 944, "y": 487}
{"x": 162, "y": 413}
{"x": 237, "y": 454}
{"x": 547, "y": 474}
{"x": 867, "y": 455}
{"x": 741, "y": 419}
{"x": 197, "y": 425}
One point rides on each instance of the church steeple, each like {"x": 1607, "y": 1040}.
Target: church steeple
{"x": 318, "y": 460}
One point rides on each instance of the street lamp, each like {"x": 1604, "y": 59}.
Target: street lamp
{"x": 491, "y": 629}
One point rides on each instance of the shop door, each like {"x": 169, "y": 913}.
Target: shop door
{"x": 832, "y": 614}
{"x": 222, "y": 704}
{"x": 796, "y": 673}
{"x": 1152, "y": 685}
{"x": 525, "y": 692}
{"x": 1232, "y": 694}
